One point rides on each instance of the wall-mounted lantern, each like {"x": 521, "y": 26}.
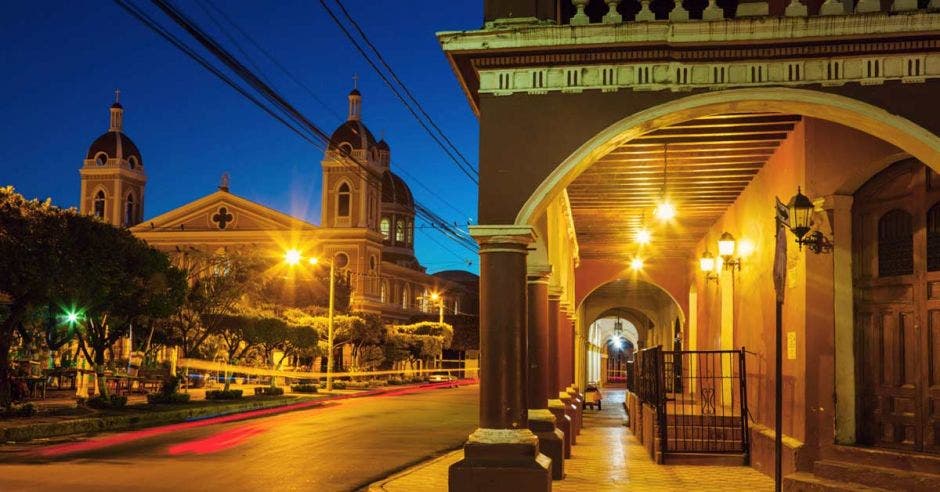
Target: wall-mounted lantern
{"x": 707, "y": 264}
{"x": 727, "y": 246}
{"x": 800, "y": 210}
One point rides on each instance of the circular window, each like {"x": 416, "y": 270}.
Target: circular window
{"x": 341, "y": 260}
{"x": 101, "y": 159}
{"x": 132, "y": 162}
{"x": 372, "y": 263}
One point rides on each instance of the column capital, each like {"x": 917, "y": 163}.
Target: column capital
{"x": 555, "y": 292}
{"x": 838, "y": 203}
{"x": 485, "y": 235}
{"x": 538, "y": 273}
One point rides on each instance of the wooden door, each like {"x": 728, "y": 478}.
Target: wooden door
{"x": 896, "y": 261}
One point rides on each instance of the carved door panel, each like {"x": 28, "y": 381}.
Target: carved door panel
{"x": 897, "y": 307}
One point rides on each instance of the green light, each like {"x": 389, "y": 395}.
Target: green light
{"x": 72, "y": 317}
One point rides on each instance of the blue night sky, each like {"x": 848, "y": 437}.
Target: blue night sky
{"x": 63, "y": 60}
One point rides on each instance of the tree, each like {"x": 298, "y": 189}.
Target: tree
{"x": 31, "y": 240}
{"x": 218, "y": 283}
{"x": 119, "y": 281}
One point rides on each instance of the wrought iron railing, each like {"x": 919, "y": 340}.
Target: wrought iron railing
{"x": 700, "y": 397}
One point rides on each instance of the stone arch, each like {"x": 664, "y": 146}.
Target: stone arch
{"x": 896, "y": 130}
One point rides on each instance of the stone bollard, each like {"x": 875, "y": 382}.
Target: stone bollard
{"x": 578, "y": 401}
{"x": 572, "y": 412}
{"x": 551, "y": 439}
{"x": 562, "y": 422}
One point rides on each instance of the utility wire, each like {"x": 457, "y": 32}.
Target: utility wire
{"x": 467, "y": 170}
{"x": 404, "y": 87}
{"x": 269, "y": 94}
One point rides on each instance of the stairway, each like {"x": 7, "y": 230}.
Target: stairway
{"x": 854, "y": 468}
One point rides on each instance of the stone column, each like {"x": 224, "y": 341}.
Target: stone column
{"x": 541, "y": 420}
{"x": 555, "y": 405}
{"x": 538, "y": 337}
{"x": 503, "y": 454}
{"x": 840, "y": 208}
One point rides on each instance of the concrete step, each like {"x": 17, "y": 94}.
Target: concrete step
{"x": 807, "y": 482}
{"x": 876, "y": 476}
{"x": 697, "y": 445}
{"x": 704, "y": 433}
{"x": 887, "y": 458}
{"x": 705, "y": 459}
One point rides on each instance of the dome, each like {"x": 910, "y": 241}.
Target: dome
{"x": 355, "y": 134}
{"x": 117, "y": 145}
{"x": 396, "y": 191}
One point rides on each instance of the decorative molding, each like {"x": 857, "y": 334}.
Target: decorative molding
{"x": 680, "y": 76}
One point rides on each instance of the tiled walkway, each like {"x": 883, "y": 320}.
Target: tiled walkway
{"x": 606, "y": 458}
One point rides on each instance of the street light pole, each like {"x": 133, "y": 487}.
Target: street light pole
{"x": 329, "y": 357}
{"x": 440, "y": 311}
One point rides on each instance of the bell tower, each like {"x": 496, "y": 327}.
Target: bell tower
{"x": 112, "y": 175}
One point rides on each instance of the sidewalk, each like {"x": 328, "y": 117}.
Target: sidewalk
{"x": 606, "y": 458}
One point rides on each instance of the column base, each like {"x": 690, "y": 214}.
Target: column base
{"x": 551, "y": 440}
{"x": 501, "y": 460}
{"x": 562, "y": 422}
{"x": 574, "y": 412}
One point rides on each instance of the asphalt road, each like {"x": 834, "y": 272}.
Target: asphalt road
{"x": 341, "y": 446}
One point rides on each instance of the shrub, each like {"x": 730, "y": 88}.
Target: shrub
{"x": 304, "y": 388}
{"x": 394, "y": 382}
{"x": 269, "y": 391}
{"x": 167, "y": 398}
{"x": 104, "y": 403}
{"x": 338, "y": 385}
{"x": 231, "y": 394}
{"x": 24, "y": 410}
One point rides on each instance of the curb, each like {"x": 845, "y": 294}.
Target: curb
{"x": 380, "y": 485}
{"x": 126, "y": 422}
{"x": 137, "y": 421}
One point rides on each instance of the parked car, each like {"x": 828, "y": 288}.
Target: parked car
{"x": 592, "y": 396}
{"x": 442, "y": 378}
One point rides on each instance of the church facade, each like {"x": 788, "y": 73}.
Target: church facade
{"x": 367, "y": 222}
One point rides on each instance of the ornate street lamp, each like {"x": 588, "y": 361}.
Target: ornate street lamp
{"x": 800, "y": 210}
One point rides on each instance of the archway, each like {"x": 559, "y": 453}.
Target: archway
{"x": 865, "y": 117}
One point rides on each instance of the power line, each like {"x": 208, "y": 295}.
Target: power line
{"x": 465, "y": 168}
{"x": 408, "y": 92}
{"x": 273, "y": 60}
{"x": 290, "y": 75}
{"x": 272, "y": 96}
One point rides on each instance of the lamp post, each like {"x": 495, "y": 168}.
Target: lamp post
{"x": 439, "y": 299}
{"x": 329, "y": 325}
{"x": 293, "y": 257}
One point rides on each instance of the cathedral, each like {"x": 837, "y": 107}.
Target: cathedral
{"x": 367, "y": 223}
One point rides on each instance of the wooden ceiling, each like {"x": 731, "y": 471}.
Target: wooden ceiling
{"x": 710, "y": 161}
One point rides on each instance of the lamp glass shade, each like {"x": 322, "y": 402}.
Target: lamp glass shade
{"x": 800, "y": 209}
{"x": 707, "y": 262}
{"x": 726, "y": 245}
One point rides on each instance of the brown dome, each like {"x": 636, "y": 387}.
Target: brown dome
{"x": 116, "y": 145}
{"x": 395, "y": 190}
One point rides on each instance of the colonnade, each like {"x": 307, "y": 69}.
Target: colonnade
{"x": 529, "y": 408}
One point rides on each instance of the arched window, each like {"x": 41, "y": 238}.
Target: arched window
{"x": 98, "y": 208}
{"x": 130, "y": 217}
{"x": 385, "y": 227}
{"x": 895, "y": 244}
{"x": 410, "y": 233}
{"x": 132, "y": 162}
{"x": 400, "y": 230}
{"x": 933, "y": 238}
{"x": 342, "y": 201}
{"x": 383, "y": 292}
{"x": 101, "y": 159}
{"x": 405, "y": 295}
